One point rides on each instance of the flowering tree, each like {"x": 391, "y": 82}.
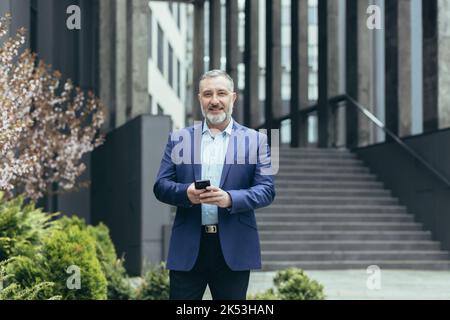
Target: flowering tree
{"x": 45, "y": 130}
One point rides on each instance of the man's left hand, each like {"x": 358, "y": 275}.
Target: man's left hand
{"x": 216, "y": 196}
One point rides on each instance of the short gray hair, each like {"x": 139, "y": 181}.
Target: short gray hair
{"x": 217, "y": 73}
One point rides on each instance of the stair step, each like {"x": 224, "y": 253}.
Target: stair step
{"x": 289, "y": 183}
{"x": 326, "y": 176}
{"x": 321, "y": 169}
{"x": 330, "y": 217}
{"x": 340, "y": 265}
{"x": 331, "y": 212}
{"x": 336, "y": 226}
{"x": 354, "y": 255}
{"x": 333, "y": 192}
{"x": 341, "y": 208}
{"x": 316, "y": 152}
{"x": 320, "y": 162}
{"x": 349, "y": 245}
{"x": 344, "y": 235}
{"x": 281, "y": 199}
{"x": 321, "y": 156}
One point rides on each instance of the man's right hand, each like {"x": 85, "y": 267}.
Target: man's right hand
{"x": 193, "y": 194}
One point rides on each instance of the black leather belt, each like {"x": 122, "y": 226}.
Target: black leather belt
{"x": 210, "y": 228}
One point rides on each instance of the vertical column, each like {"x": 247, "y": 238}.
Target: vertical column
{"x": 139, "y": 60}
{"x": 251, "y": 99}
{"x": 430, "y": 65}
{"x": 443, "y": 64}
{"x": 232, "y": 50}
{"x": 365, "y": 72}
{"x": 351, "y": 75}
{"x": 391, "y": 67}
{"x": 303, "y": 71}
{"x": 416, "y": 67}
{"x": 198, "y": 65}
{"x": 89, "y": 36}
{"x": 106, "y": 63}
{"x": 299, "y": 72}
{"x": 404, "y": 68}
{"x": 323, "y": 109}
{"x": 333, "y": 47}
{"x": 273, "y": 62}
{"x": 378, "y": 77}
{"x": 20, "y": 11}
{"x": 120, "y": 75}
{"x": 5, "y": 7}
{"x": 215, "y": 26}
{"x": 295, "y": 73}
{"x": 334, "y": 64}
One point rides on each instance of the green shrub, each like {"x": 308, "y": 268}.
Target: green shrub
{"x": 119, "y": 286}
{"x": 73, "y": 247}
{"x": 269, "y": 294}
{"x": 11, "y": 290}
{"x": 292, "y": 284}
{"x": 43, "y": 248}
{"x": 155, "y": 284}
{"x": 21, "y": 227}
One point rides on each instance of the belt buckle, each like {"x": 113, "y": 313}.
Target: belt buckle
{"x": 211, "y": 229}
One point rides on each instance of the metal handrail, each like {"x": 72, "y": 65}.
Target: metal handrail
{"x": 303, "y": 111}
{"x": 395, "y": 138}
{"x": 345, "y": 97}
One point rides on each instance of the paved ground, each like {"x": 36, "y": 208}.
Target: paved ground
{"x": 352, "y": 284}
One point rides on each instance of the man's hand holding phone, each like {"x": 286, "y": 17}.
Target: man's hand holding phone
{"x": 216, "y": 196}
{"x": 193, "y": 193}
{"x": 209, "y": 195}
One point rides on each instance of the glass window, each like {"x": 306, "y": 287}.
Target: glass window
{"x": 179, "y": 78}
{"x": 150, "y": 102}
{"x": 160, "y": 50}
{"x": 179, "y": 15}
{"x": 170, "y": 66}
{"x": 160, "y": 109}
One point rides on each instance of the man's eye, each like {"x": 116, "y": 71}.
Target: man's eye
{"x": 207, "y": 95}
{"x": 222, "y": 93}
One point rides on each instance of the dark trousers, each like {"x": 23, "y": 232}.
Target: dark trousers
{"x": 210, "y": 269}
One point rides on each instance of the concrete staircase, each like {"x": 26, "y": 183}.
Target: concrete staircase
{"x": 330, "y": 212}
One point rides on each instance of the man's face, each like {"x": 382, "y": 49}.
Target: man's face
{"x": 216, "y": 99}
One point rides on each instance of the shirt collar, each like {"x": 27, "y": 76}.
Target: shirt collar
{"x": 227, "y": 130}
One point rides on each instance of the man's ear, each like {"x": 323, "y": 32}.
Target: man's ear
{"x": 234, "y": 96}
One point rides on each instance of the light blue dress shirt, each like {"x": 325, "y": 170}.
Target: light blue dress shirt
{"x": 213, "y": 152}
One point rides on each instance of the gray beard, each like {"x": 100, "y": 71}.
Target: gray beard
{"x": 220, "y": 118}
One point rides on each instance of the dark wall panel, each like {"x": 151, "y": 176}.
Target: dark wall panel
{"x": 425, "y": 195}
{"x": 123, "y": 173}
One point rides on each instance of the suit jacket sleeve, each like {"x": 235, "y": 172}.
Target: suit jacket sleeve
{"x": 166, "y": 188}
{"x": 262, "y": 192}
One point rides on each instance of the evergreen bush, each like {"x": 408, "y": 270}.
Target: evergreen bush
{"x": 155, "y": 284}
{"x": 292, "y": 284}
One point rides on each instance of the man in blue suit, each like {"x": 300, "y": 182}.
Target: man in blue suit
{"x": 214, "y": 237}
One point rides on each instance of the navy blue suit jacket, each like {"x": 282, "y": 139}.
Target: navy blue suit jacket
{"x": 247, "y": 181}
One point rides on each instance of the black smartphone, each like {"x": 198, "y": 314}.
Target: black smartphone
{"x": 202, "y": 184}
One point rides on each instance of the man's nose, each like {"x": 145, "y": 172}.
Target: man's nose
{"x": 214, "y": 99}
